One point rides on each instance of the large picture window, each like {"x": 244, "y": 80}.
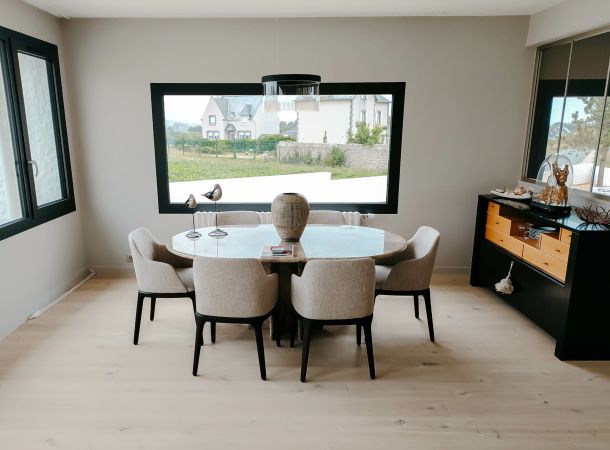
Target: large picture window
{"x": 35, "y": 177}
{"x": 332, "y": 156}
{"x": 570, "y": 111}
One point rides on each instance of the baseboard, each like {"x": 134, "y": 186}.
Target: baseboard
{"x": 127, "y": 271}
{"x": 451, "y": 271}
{"x": 36, "y": 314}
{"x": 113, "y": 271}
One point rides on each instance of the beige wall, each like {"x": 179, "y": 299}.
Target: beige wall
{"x": 468, "y": 85}
{"x": 40, "y": 264}
{"x": 567, "y": 19}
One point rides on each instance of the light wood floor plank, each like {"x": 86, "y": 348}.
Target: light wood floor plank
{"x": 71, "y": 379}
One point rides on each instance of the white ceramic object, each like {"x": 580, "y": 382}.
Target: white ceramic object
{"x": 511, "y": 195}
{"x": 289, "y": 213}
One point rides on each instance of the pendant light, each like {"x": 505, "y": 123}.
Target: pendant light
{"x": 291, "y": 92}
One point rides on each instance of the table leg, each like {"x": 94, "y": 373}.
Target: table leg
{"x": 285, "y": 315}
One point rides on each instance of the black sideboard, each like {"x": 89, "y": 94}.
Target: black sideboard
{"x": 562, "y": 283}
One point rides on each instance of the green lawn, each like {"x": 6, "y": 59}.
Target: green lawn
{"x": 193, "y": 167}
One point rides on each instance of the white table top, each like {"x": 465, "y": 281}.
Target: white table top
{"x": 317, "y": 242}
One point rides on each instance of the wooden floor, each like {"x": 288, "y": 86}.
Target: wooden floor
{"x": 72, "y": 379}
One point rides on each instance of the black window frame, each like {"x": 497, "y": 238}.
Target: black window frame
{"x": 11, "y": 44}
{"x": 159, "y": 90}
{"x": 210, "y": 119}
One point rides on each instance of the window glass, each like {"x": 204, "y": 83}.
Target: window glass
{"x": 40, "y": 128}
{"x": 10, "y": 199}
{"x": 330, "y": 155}
{"x": 584, "y": 107}
{"x": 549, "y": 107}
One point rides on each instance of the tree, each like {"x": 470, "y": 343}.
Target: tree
{"x": 583, "y": 131}
{"x": 365, "y": 134}
{"x": 181, "y": 142}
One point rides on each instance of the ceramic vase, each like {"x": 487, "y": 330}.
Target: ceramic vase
{"x": 289, "y": 213}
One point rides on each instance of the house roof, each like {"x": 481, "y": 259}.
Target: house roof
{"x": 381, "y": 99}
{"x": 243, "y": 105}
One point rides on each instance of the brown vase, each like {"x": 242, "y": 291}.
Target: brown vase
{"x": 289, "y": 213}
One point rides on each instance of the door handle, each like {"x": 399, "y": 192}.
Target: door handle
{"x": 35, "y": 166}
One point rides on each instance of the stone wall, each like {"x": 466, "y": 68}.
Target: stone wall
{"x": 356, "y": 155}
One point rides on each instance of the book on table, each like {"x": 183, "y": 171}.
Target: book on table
{"x": 278, "y": 250}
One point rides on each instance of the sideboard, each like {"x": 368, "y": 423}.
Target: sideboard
{"x": 561, "y": 280}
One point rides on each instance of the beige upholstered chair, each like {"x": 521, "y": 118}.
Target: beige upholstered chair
{"x": 233, "y": 291}
{"x": 321, "y": 217}
{"x": 238, "y": 218}
{"x": 412, "y": 274}
{"x": 335, "y": 292}
{"x": 159, "y": 274}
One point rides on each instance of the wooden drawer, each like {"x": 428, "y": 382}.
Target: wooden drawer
{"x": 554, "y": 247}
{"x": 545, "y": 262}
{"x": 493, "y": 208}
{"x": 505, "y": 241}
{"x": 565, "y": 236}
{"x": 500, "y": 223}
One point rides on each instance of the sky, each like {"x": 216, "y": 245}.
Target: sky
{"x": 572, "y": 104}
{"x": 185, "y": 108}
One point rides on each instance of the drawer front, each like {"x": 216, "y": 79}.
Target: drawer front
{"x": 545, "y": 262}
{"x": 565, "y": 236}
{"x": 505, "y": 241}
{"x": 555, "y": 247}
{"x": 500, "y": 223}
{"x": 493, "y": 208}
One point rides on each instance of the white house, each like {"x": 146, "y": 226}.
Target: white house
{"x": 339, "y": 114}
{"x": 237, "y": 117}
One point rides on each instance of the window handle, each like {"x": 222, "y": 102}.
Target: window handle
{"x": 35, "y": 166}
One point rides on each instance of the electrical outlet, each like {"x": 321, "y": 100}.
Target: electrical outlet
{"x": 129, "y": 258}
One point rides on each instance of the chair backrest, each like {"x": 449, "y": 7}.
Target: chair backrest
{"x": 321, "y": 217}
{"x": 233, "y": 287}
{"x": 142, "y": 245}
{"x": 424, "y": 243}
{"x": 414, "y": 273}
{"x": 335, "y": 289}
{"x": 238, "y": 218}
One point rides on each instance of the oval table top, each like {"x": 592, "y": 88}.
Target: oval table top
{"x": 317, "y": 242}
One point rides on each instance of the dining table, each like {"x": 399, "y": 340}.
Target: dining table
{"x": 317, "y": 242}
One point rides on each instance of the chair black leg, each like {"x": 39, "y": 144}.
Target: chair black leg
{"x": 198, "y": 344}
{"x": 277, "y": 331}
{"x": 368, "y": 339}
{"x": 201, "y": 333}
{"x": 429, "y": 313}
{"x": 258, "y": 332}
{"x": 192, "y": 297}
{"x": 293, "y": 332}
{"x": 306, "y": 324}
{"x": 136, "y": 331}
{"x": 416, "y": 305}
{"x": 358, "y": 334}
{"x": 213, "y": 332}
{"x": 153, "y": 302}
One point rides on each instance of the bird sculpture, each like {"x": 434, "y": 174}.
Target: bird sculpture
{"x": 191, "y": 203}
{"x": 214, "y": 195}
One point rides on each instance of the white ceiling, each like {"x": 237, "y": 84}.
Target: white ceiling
{"x": 288, "y": 8}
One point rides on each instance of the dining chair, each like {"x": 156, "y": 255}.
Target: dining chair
{"x": 410, "y": 275}
{"x": 322, "y": 217}
{"x": 335, "y": 292}
{"x": 233, "y": 290}
{"x": 238, "y": 218}
{"x": 159, "y": 274}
